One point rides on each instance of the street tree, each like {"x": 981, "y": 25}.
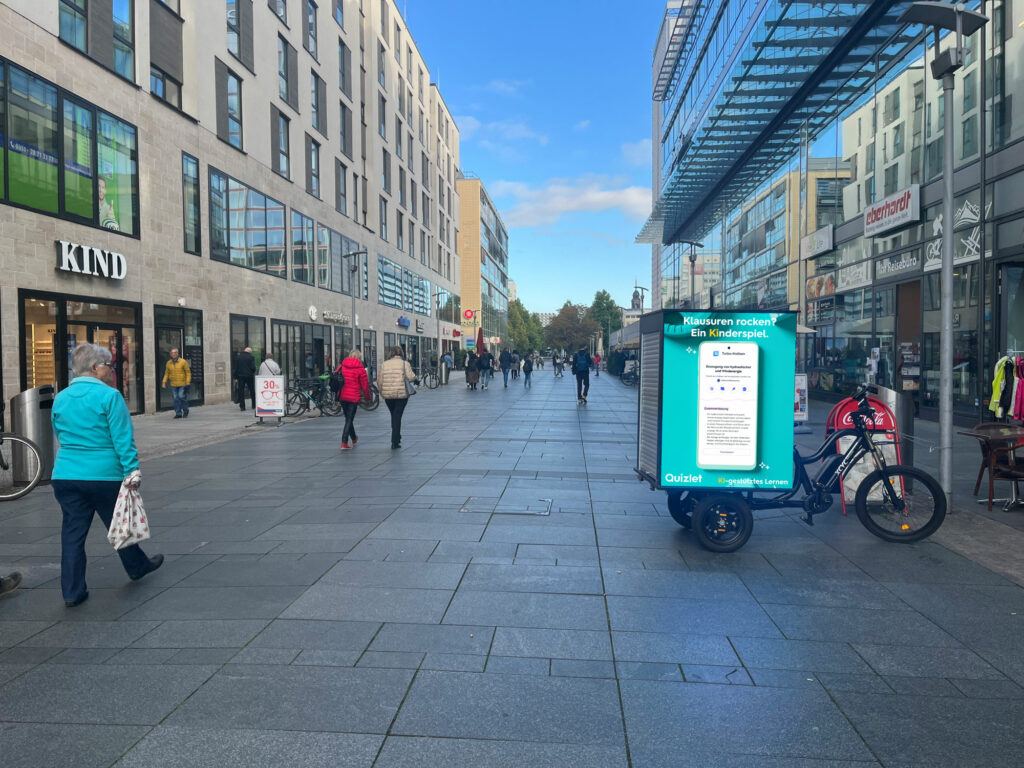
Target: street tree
{"x": 570, "y": 329}
{"x": 605, "y": 312}
{"x": 518, "y": 325}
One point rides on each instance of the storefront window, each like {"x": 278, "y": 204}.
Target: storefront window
{"x": 246, "y": 226}
{"x": 117, "y": 186}
{"x": 248, "y": 331}
{"x": 302, "y": 248}
{"x": 32, "y": 144}
{"x": 180, "y": 329}
{"x": 389, "y": 283}
{"x": 78, "y": 161}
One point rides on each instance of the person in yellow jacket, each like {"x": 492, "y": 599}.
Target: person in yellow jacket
{"x": 179, "y": 376}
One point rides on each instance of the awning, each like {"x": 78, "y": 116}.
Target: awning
{"x": 806, "y": 63}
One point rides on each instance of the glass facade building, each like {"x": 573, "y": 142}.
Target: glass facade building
{"x": 781, "y": 124}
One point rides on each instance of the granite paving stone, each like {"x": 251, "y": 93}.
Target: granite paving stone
{"x": 552, "y": 643}
{"x": 395, "y": 574}
{"x": 207, "y": 633}
{"x": 416, "y": 752}
{"x": 339, "y": 602}
{"x": 433, "y": 638}
{"x": 527, "y": 609}
{"x": 650, "y": 614}
{"x": 34, "y": 745}
{"x": 806, "y": 655}
{"x": 573, "y": 580}
{"x": 216, "y": 603}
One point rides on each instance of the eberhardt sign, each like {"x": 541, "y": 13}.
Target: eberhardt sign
{"x": 894, "y": 211}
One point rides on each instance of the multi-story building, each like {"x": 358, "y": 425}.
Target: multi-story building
{"x": 832, "y": 106}
{"x": 215, "y": 175}
{"x": 483, "y": 247}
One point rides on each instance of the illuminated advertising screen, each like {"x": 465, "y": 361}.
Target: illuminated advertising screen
{"x": 727, "y": 400}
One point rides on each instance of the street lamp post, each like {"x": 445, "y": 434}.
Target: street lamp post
{"x": 437, "y": 309}
{"x": 964, "y": 22}
{"x": 643, "y": 295}
{"x": 694, "y": 245}
{"x": 354, "y": 269}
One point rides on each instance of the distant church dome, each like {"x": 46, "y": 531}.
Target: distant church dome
{"x": 636, "y": 300}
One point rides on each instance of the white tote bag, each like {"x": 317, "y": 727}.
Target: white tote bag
{"x": 129, "y": 524}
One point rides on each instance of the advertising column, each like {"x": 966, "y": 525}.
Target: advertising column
{"x": 727, "y": 400}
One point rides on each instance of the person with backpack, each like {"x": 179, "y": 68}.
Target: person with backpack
{"x": 527, "y": 371}
{"x": 350, "y": 384}
{"x": 597, "y": 366}
{"x": 505, "y": 361}
{"x": 581, "y": 363}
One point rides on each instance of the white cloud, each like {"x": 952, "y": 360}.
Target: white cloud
{"x": 506, "y": 87}
{"x": 637, "y": 152}
{"x": 468, "y": 125}
{"x": 497, "y": 135}
{"x": 582, "y": 125}
{"x": 554, "y": 199}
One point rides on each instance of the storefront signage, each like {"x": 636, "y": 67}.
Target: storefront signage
{"x": 800, "y": 412}
{"x": 86, "y": 260}
{"x": 335, "y": 317}
{"x": 403, "y": 322}
{"x": 821, "y": 285}
{"x": 419, "y": 326}
{"x": 894, "y": 211}
{"x": 891, "y": 266}
{"x": 313, "y": 313}
{"x": 817, "y": 243}
{"x": 732, "y": 375}
{"x": 854, "y": 276}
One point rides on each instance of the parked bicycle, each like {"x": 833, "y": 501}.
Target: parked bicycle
{"x": 631, "y": 377}
{"x": 429, "y": 378}
{"x": 307, "y": 394}
{"x": 374, "y": 401}
{"x": 21, "y": 464}
{"x": 897, "y": 503}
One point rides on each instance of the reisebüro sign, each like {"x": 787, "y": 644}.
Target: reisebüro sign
{"x": 86, "y": 260}
{"x": 893, "y": 212}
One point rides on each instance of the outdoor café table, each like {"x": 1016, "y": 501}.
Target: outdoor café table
{"x": 996, "y": 441}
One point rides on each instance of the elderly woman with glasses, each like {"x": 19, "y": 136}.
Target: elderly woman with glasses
{"x": 97, "y": 451}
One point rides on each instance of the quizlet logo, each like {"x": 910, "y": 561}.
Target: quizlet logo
{"x": 672, "y": 478}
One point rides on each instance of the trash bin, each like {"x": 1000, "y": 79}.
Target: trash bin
{"x": 30, "y": 417}
{"x": 443, "y": 371}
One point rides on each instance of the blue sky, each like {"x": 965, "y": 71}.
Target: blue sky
{"x": 553, "y": 100}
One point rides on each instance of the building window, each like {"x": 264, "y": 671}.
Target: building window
{"x": 280, "y": 9}
{"x": 398, "y": 137}
{"x": 164, "y": 87}
{"x": 281, "y": 130}
{"x": 339, "y": 12}
{"x": 396, "y": 43}
{"x": 400, "y": 231}
{"x": 247, "y": 228}
{"x": 382, "y": 117}
{"x": 124, "y": 39}
{"x": 383, "y": 219}
{"x": 381, "y": 56}
{"x": 344, "y": 69}
{"x": 345, "y": 122}
{"x": 412, "y": 196}
{"x": 312, "y": 166}
{"x": 341, "y": 187}
{"x": 423, "y": 247}
{"x": 389, "y": 283}
{"x": 190, "y": 202}
{"x": 282, "y": 69}
{"x": 66, "y": 158}
{"x": 401, "y": 186}
{"x": 897, "y": 140}
{"x": 891, "y": 179}
{"x": 384, "y": 19}
{"x": 234, "y": 32}
{"x": 386, "y": 170}
{"x": 869, "y": 191}
{"x": 318, "y": 90}
{"x": 311, "y": 27}
{"x": 234, "y": 108}
{"x": 970, "y": 136}
{"x": 303, "y": 244}
{"x": 73, "y": 23}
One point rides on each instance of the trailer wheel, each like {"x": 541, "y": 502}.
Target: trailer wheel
{"x": 722, "y": 522}
{"x": 681, "y": 509}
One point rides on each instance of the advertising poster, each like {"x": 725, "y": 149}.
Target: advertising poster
{"x": 800, "y": 412}
{"x": 269, "y": 396}
{"x": 727, "y": 400}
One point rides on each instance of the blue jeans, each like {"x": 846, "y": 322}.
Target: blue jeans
{"x": 180, "y": 395}
{"x": 527, "y": 382}
{"x": 78, "y": 500}
{"x": 505, "y": 372}
{"x": 485, "y": 376}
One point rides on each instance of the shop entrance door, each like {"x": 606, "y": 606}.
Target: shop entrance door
{"x": 123, "y": 346}
{"x": 167, "y": 338}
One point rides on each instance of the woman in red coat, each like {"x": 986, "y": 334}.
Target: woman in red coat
{"x": 357, "y": 386}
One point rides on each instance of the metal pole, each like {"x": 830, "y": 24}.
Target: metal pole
{"x": 946, "y": 338}
{"x": 693, "y": 275}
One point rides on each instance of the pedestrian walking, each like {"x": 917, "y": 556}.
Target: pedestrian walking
{"x": 10, "y": 582}
{"x": 269, "y": 366}
{"x": 446, "y": 359}
{"x": 393, "y": 382}
{"x": 472, "y": 370}
{"x": 355, "y": 388}
{"x": 486, "y": 363}
{"x": 527, "y": 372}
{"x": 517, "y": 363}
{"x": 97, "y": 451}
{"x": 179, "y": 376}
{"x": 597, "y": 366}
{"x": 505, "y": 361}
{"x": 581, "y": 363}
{"x": 245, "y": 377}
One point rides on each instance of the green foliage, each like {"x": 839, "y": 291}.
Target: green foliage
{"x": 459, "y": 357}
{"x": 605, "y": 312}
{"x": 616, "y": 362}
{"x": 568, "y": 330}
{"x": 524, "y": 329}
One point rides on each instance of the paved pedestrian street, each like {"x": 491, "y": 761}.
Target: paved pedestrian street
{"x": 501, "y": 591}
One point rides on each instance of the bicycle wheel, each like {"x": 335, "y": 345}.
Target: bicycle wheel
{"x": 917, "y": 512}
{"x": 722, "y": 522}
{"x": 295, "y": 402}
{"x": 330, "y": 405}
{"x": 21, "y": 466}
{"x": 681, "y": 509}
{"x": 430, "y": 380}
{"x": 373, "y": 402}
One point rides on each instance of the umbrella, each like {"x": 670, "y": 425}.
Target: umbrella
{"x": 480, "y": 340}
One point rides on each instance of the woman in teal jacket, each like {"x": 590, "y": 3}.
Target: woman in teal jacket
{"x": 97, "y": 451}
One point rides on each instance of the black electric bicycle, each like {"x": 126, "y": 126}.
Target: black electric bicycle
{"x": 897, "y": 503}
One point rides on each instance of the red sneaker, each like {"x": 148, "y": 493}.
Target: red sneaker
{"x": 354, "y": 440}
{"x": 346, "y": 447}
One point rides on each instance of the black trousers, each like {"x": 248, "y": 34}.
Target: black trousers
{"x": 397, "y": 407}
{"x": 349, "y": 430}
{"x": 582, "y": 384}
{"x": 243, "y": 382}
